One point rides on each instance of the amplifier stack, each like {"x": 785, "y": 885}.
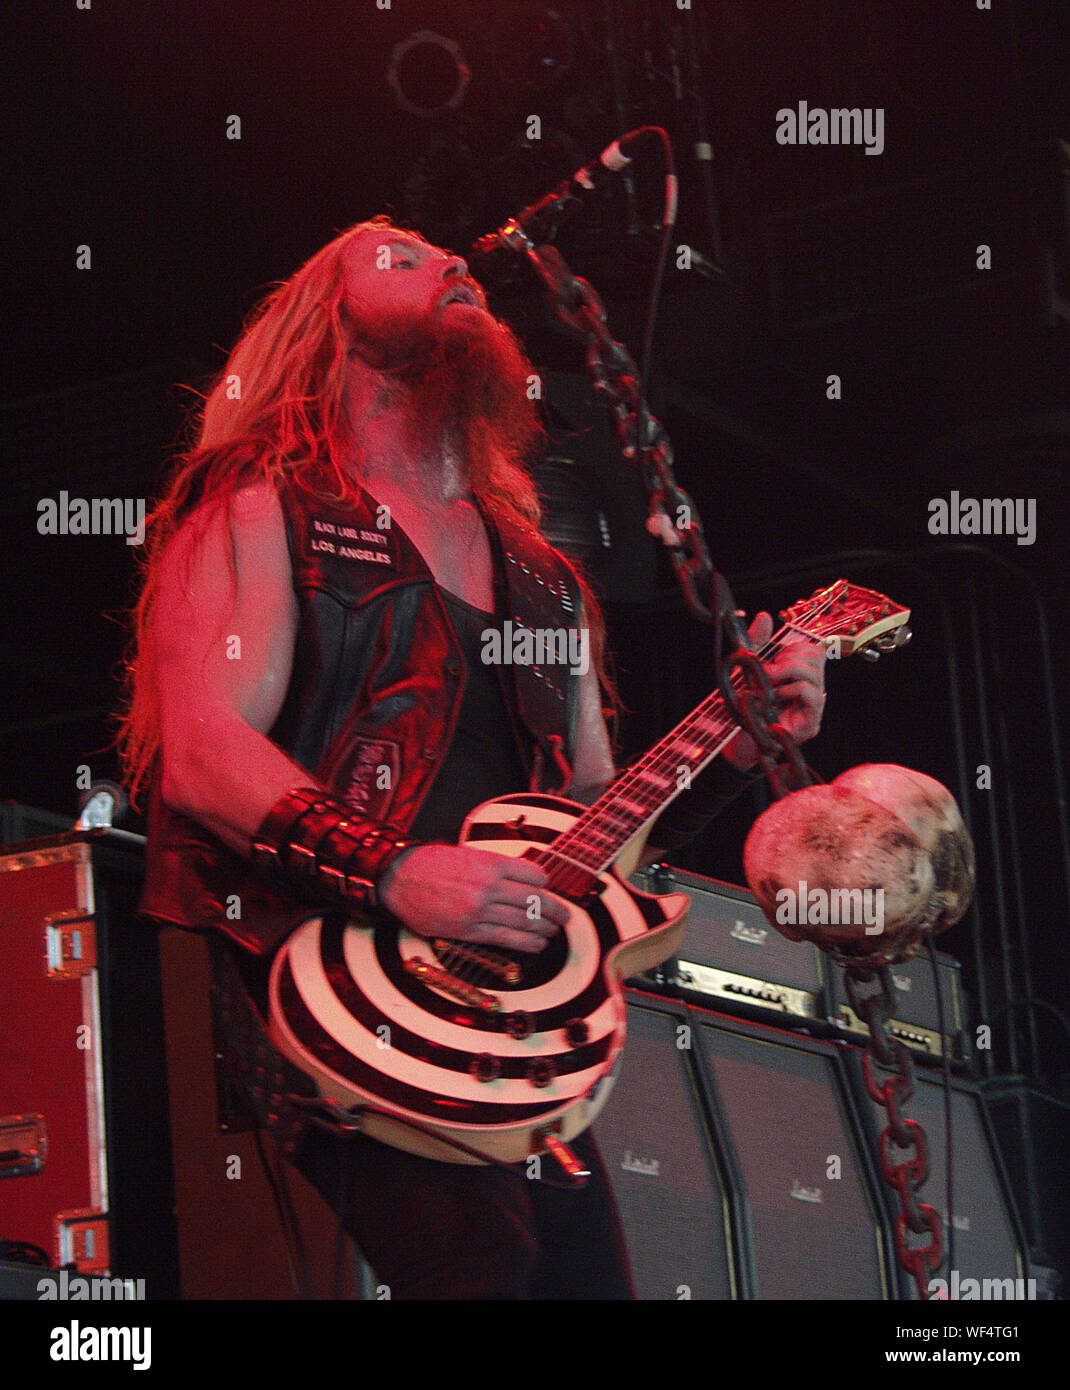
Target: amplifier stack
{"x": 744, "y": 1158}
{"x": 733, "y": 1151}
{"x": 739, "y": 1137}
{"x": 741, "y": 1141}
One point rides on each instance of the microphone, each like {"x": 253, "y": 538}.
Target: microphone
{"x": 539, "y": 221}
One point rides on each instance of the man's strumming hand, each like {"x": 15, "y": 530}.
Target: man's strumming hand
{"x": 472, "y": 895}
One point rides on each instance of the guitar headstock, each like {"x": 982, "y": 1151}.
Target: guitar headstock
{"x": 846, "y": 618}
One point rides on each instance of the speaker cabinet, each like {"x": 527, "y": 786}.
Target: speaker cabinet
{"x": 655, "y": 1138}
{"x": 736, "y": 1160}
{"x": 1032, "y": 1128}
{"x": 810, "y": 1225}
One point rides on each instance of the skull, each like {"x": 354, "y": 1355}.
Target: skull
{"x": 932, "y": 813}
{"x": 892, "y": 833}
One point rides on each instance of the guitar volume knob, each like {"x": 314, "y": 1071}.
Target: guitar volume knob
{"x": 519, "y": 1024}
{"x": 577, "y": 1032}
{"x": 540, "y": 1071}
{"x": 484, "y": 1067}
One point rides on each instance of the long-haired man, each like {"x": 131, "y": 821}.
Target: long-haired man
{"x": 312, "y": 719}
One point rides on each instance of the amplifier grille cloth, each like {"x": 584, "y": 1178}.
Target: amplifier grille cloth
{"x": 653, "y": 1140}
{"x": 815, "y": 1236}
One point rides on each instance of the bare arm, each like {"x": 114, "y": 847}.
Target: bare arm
{"x": 592, "y": 763}
{"x": 224, "y": 652}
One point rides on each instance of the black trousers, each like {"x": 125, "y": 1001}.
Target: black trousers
{"x": 435, "y": 1230}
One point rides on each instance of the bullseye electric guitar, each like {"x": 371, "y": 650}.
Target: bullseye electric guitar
{"x": 511, "y": 1054}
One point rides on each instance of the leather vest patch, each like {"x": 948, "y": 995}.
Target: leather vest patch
{"x": 374, "y": 773}
{"x": 351, "y": 543}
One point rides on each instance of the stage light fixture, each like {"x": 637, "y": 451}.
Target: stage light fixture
{"x": 428, "y": 73}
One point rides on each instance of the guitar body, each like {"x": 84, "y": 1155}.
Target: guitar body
{"x": 498, "y": 1049}
{"x": 489, "y": 1047}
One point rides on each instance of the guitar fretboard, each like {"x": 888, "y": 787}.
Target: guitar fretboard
{"x": 644, "y": 789}
{"x": 591, "y": 844}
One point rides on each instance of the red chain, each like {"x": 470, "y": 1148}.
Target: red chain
{"x": 908, "y": 1174}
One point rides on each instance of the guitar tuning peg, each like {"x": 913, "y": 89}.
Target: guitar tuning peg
{"x": 871, "y": 653}
{"x": 903, "y": 635}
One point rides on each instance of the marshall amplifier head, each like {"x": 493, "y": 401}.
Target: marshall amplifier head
{"x": 731, "y": 954}
{"x": 917, "y": 1017}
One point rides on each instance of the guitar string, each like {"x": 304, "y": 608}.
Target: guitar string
{"x": 705, "y": 728}
{"x": 636, "y": 779}
{"x": 608, "y": 822}
{"x": 634, "y": 783}
{"x": 709, "y": 727}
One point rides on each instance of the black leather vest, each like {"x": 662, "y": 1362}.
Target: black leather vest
{"x": 378, "y": 679}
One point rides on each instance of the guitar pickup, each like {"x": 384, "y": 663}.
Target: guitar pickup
{"x": 568, "y": 878}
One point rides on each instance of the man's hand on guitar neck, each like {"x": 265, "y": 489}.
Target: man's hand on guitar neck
{"x": 468, "y": 894}
{"x": 797, "y": 675}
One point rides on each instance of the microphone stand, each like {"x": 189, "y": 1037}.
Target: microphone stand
{"x": 673, "y": 517}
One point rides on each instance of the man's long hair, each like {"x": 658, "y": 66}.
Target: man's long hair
{"x": 277, "y": 411}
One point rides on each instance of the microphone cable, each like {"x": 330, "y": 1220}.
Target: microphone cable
{"x": 949, "y": 1186}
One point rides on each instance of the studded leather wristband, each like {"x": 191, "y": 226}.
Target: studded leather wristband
{"x": 314, "y": 846}
{"x": 716, "y": 787}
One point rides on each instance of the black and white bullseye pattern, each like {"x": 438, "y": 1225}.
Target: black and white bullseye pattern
{"x": 345, "y": 1009}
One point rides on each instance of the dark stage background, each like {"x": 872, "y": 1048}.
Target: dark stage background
{"x": 834, "y": 262}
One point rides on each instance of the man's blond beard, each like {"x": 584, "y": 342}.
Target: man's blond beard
{"x": 439, "y": 454}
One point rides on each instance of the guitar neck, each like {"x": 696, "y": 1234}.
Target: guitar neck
{"x": 842, "y": 617}
{"x": 643, "y": 790}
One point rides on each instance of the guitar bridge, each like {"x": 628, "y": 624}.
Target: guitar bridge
{"x": 458, "y": 955}
{"x": 449, "y": 984}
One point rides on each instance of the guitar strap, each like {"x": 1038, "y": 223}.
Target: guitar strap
{"x": 543, "y": 697}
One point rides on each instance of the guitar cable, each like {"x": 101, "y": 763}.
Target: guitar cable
{"x": 344, "y": 1179}
{"x": 296, "y": 1252}
{"x": 343, "y": 1124}
{"x": 293, "y": 1241}
{"x": 332, "y": 1117}
{"x": 328, "y": 1115}
{"x": 235, "y": 1062}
